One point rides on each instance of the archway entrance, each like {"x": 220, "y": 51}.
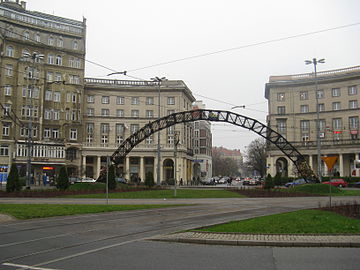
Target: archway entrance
{"x": 282, "y": 166}
{"x": 197, "y": 170}
{"x": 168, "y": 167}
{"x": 217, "y": 116}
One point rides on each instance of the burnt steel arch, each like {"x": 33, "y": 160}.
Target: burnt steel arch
{"x": 216, "y": 116}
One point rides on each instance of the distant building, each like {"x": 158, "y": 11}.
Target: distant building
{"x": 202, "y": 162}
{"x": 292, "y": 113}
{"x": 233, "y": 154}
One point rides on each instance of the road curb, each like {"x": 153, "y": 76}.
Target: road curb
{"x": 271, "y": 240}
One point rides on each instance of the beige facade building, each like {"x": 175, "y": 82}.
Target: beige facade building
{"x": 115, "y": 109}
{"x": 292, "y": 112}
{"x": 42, "y": 60}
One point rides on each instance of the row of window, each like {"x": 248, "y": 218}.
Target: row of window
{"x": 50, "y": 77}
{"x": 335, "y": 92}
{"x": 337, "y": 124}
{"x": 120, "y": 100}
{"x": 121, "y": 113}
{"x": 335, "y": 106}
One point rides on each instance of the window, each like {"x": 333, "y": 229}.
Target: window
{"x": 104, "y": 128}
{"x": 49, "y": 76}
{"x": 90, "y": 99}
{"x": 304, "y": 95}
{"x": 352, "y": 90}
{"x": 119, "y": 113}
{"x": 48, "y": 95}
{"x": 354, "y": 122}
{"x": 73, "y": 134}
{"x": 58, "y": 77}
{"x": 6, "y": 129}
{"x": 4, "y": 150}
{"x": 281, "y": 126}
{"x": 57, "y": 96}
{"x": 281, "y": 110}
{"x": 74, "y": 79}
{"x": 335, "y": 92}
{"x": 90, "y": 128}
{"x": 149, "y": 140}
{"x": 105, "y": 99}
{"x": 149, "y": 100}
{"x": 7, "y": 109}
{"x": 9, "y": 51}
{"x": 7, "y": 90}
{"x": 304, "y": 108}
{"x": 119, "y": 128}
{"x": 75, "y": 45}
{"x": 322, "y": 124}
{"x": 134, "y": 128}
{"x": 280, "y": 96}
{"x": 26, "y": 35}
{"x": 90, "y": 111}
{"x": 171, "y": 101}
{"x": 56, "y": 115}
{"x": 73, "y": 115}
{"x": 73, "y": 97}
{"x": 58, "y": 60}
{"x": 51, "y": 59}
{"x": 51, "y": 41}
{"x": 304, "y": 125}
{"x": 104, "y": 140}
{"x": 89, "y": 138}
{"x": 46, "y": 133}
{"x": 149, "y": 114}
{"x": 321, "y": 107}
{"x": 353, "y": 104}
{"x": 120, "y": 100}
{"x": 9, "y": 70}
{"x": 60, "y": 42}
{"x": 37, "y": 38}
{"x": 55, "y": 133}
{"x": 134, "y": 113}
{"x": 47, "y": 114}
{"x": 336, "y": 123}
{"x": 105, "y": 112}
{"x": 336, "y": 106}
{"x": 135, "y": 101}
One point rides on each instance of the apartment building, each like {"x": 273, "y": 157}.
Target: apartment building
{"x": 42, "y": 70}
{"x": 202, "y": 162}
{"x": 115, "y": 109}
{"x": 292, "y": 101}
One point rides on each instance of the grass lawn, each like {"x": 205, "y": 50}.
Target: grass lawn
{"x": 27, "y": 211}
{"x": 165, "y": 193}
{"x": 301, "y": 222}
{"x": 322, "y": 189}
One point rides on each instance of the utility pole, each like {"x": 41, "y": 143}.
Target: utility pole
{"x": 159, "y": 80}
{"x": 31, "y": 75}
{"x": 314, "y": 61}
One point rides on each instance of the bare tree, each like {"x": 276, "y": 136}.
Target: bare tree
{"x": 224, "y": 165}
{"x": 256, "y": 156}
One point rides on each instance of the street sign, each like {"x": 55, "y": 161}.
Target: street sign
{"x": 330, "y": 161}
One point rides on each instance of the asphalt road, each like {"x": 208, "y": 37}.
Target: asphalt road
{"x": 120, "y": 240}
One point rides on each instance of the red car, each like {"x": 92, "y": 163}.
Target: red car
{"x": 337, "y": 183}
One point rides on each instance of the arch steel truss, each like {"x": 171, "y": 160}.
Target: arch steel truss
{"x": 216, "y": 116}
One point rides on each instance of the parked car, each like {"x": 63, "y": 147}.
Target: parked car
{"x": 296, "y": 182}
{"x": 356, "y": 185}
{"x": 337, "y": 182}
{"x": 121, "y": 180}
{"x": 87, "y": 180}
{"x": 209, "y": 181}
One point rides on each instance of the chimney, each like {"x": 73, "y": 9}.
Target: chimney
{"x": 23, "y": 4}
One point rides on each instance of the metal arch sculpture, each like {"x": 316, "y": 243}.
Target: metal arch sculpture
{"x": 216, "y": 116}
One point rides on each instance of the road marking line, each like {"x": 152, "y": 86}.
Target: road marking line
{"x": 22, "y": 266}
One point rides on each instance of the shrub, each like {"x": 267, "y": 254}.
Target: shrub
{"x": 149, "y": 180}
{"x": 112, "y": 181}
{"x": 277, "y": 179}
{"x": 87, "y": 186}
{"x": 315, "y": 189}
{"x": 63, "y": 182}
{"x": 269, "y": 183}
{"x": 13, "y": 181}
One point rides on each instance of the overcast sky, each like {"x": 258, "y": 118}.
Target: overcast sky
{"x": 131, "y": 35}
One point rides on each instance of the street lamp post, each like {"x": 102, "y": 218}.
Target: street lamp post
{"x": 176, "y": 142}
{"x": 35, "y": 57}
{"x": 314, "y": 61}
{"x": 159, "y": 80}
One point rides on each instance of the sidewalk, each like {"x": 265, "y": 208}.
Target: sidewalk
{"x": 279, "y": 240}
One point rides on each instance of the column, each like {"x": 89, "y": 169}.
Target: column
{"x": 341, "y": 165}
{"x": 161, "y": 170}
{"x": 311, "y": 162}
{"x": 357, "y": 157}
{"x": 83, "y": 165}
{"x": 127, "y": 168}
{"x": 155, "y": 169}
{"x": 98, "y": 167}
{"x": 142, "y": 171}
